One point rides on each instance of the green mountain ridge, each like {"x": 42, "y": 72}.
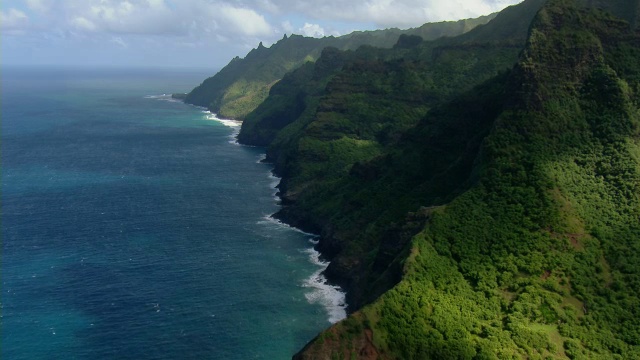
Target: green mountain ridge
{"x": 479, "y": 195}
{"x": 528, "y": 235}
{"x": 325, "y": 121}
{"x": 243, "y": 84}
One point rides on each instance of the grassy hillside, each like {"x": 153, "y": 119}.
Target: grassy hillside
{"x": 244, "y": 83}
{"x": 525, "y": 233}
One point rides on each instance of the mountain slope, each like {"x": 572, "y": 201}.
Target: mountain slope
{"x": 243, "y": 84}
{"x": 327, "y": 121}
{"x": 536, "y": 253}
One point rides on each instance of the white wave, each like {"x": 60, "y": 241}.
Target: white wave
{"x": 230, "y": 123}
{"x": 163, "y": 97}
{"x": 275, "y": 181}
{"x": 156, "y": 96}
{"x": 226, "y": 122}
{"x": 261, "y": 158}
{"x": 268, "y": 219}
{"x": 234, "y": 124}
{"x": 331, "y": 297}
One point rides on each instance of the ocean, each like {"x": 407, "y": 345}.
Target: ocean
{"x": 135, "y": 227}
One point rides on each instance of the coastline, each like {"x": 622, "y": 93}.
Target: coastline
{"x": 327, "y": 292}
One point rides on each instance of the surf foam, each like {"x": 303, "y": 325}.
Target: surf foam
{"x": 234, "y": 124}
{"x": 268, "y": 219}
{"x": 331, "y": 297}
{"x": 275, "y": 181}
{"x": 226, "y": 122}
{"x": 163, "y": 97}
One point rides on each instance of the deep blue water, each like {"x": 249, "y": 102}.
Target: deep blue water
{"x": 133, "y": 227}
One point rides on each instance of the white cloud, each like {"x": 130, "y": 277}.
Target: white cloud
{"x": 158, "y": 17}
{"x": 82, "y": 23}
{"x": 245, "y": 21}
{"x": 313, "y": 30}
{"x": 13, "y": 19}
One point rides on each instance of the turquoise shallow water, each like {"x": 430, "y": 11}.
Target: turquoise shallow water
{"x": 133, "y": 227}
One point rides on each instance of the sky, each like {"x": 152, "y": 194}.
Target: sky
{"x": 196, "y": 33}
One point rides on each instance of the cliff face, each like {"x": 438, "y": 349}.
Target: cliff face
{"x": 533, "y": 251}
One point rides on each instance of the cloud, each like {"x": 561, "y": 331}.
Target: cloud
{"x": 245, "y": 21}
{"x": 398, "y": 13}
{"x": 219, "y": 28}
{"x": 238, "y": 18}
{"x": 82, "y": 23}
{"x": 156, "y": 17}
{"x": 123, "y": 17}
{"x": 13, "y": 19}
{"x": 313, "y": 30}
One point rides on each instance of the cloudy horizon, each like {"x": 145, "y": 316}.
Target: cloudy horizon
{"x": 196, "y": 33}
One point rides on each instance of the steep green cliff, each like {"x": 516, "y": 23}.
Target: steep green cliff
{"x": 326, "y": 121}
{"x": 478, "y": 195}
{"x": 527, "y": 242}
{"x": 243, "y": 84}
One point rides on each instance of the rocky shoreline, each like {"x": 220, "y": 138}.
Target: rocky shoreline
{"x": 327, "y": 245}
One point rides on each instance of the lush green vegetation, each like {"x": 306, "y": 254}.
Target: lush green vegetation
{"x": 243, "y": 84}
{"x": 479, "y": 196}
{"x": 352, "y": 113}
{"x": 530, "y": 244}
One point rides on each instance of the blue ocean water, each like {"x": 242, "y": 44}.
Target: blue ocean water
{"x": 134, "y": 227}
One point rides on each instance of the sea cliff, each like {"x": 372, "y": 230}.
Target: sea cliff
{"x": 476, "y": 195}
